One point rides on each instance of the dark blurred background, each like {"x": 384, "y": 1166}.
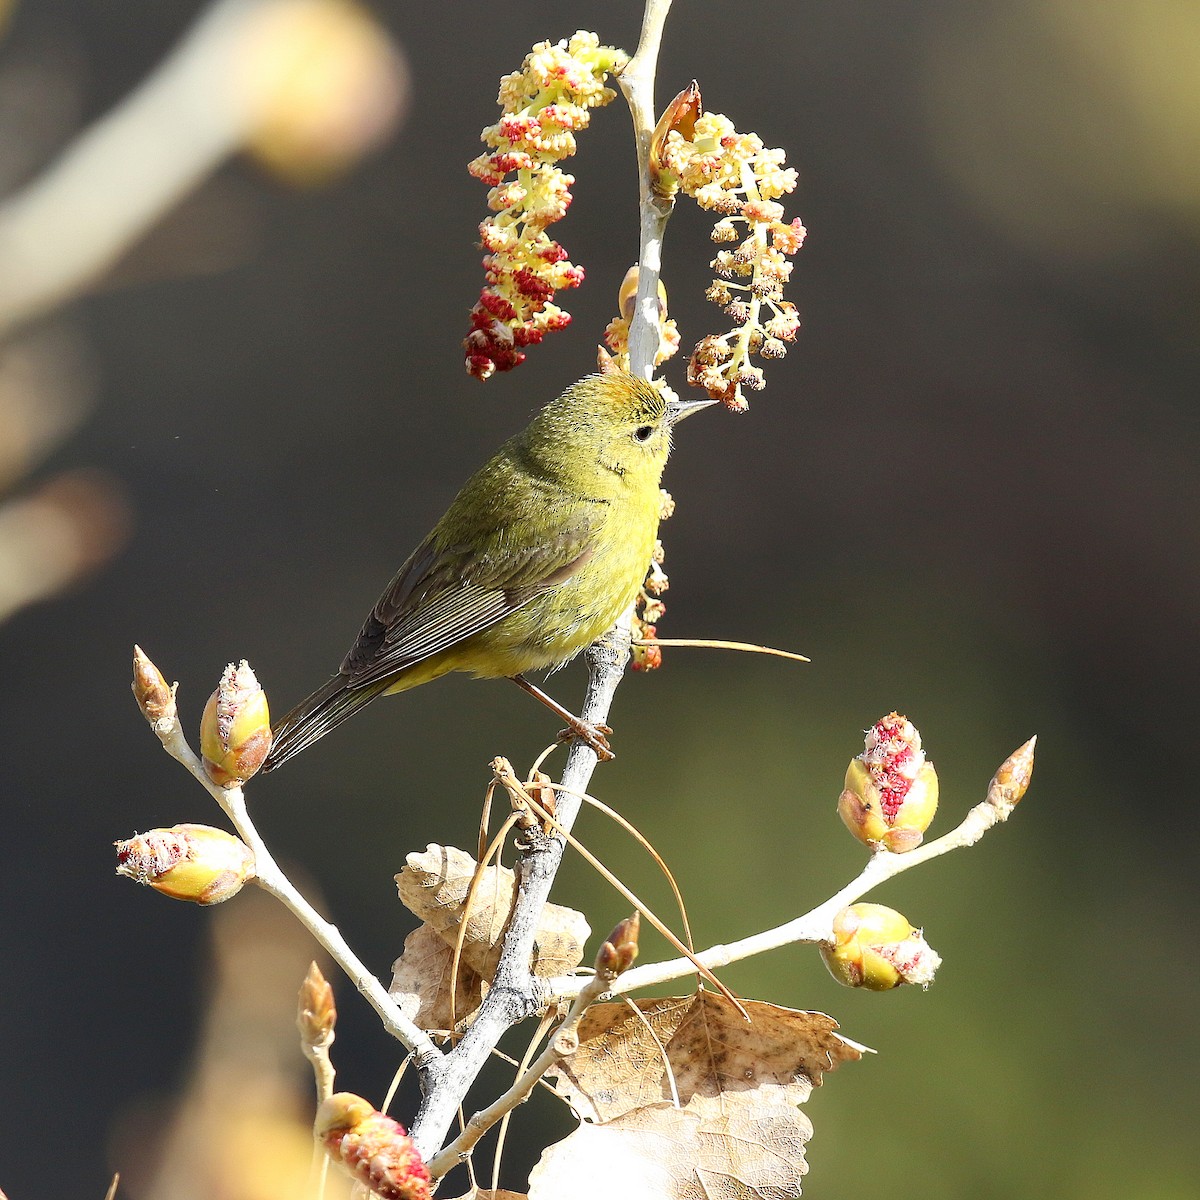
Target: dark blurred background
{"x": 968, "y": 493}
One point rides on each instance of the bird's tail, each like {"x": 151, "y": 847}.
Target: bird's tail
{"x": 314, "y": 717}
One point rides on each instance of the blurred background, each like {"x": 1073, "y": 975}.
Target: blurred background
{"x": 968, "y": 493}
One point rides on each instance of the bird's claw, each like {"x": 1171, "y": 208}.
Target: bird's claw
{"x": 593, "y": 736}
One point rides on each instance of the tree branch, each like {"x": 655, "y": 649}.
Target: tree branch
{"x": 514, "y": 994}
{"x": 271, "y": 878}
{"x": 817, "y": 924}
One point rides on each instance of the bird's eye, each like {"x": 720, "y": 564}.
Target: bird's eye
{"x": 643, "y": 433}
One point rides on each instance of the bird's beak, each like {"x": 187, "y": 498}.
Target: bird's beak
{"x": 678, "y": 409}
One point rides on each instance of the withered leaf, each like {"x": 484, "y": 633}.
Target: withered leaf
{"x": 746, "y": 1145}
{"x": 421, "y": 982}
{"x": 434, "y": 886}
{"x": 623, "y": 1056}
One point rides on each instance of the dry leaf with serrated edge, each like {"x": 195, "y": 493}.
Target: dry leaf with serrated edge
{"x": 712, "y": 1051}
{"x": 746, "y": 1145}
{"x": 421, "y": 982}
{"x": 434, "y": 886}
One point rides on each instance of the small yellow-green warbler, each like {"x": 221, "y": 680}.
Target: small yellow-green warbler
{"x": 541, "y": 551}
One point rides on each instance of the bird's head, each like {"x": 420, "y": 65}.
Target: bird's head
{"x": 609, "y": 432}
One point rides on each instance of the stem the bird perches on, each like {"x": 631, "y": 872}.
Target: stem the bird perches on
{"x": 513, "y": 994}
{"x": 637, "y": 84}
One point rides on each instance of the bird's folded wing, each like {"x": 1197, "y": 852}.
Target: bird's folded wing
{"x": 441, "y": 597}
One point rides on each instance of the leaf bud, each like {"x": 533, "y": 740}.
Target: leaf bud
{"x": 235, "y": 731}
{"x": 150, "y": 690}
{"x": 678, "y": 117}
{"x": 1011, "y": 780}
{"x": 627, "y": 295}
{"x": 187, "y": 862}
{"x": 875, "y": 947}
{"x": 372, "y": 1148}
{"x": 316, "y": 1012}
{"x": 620, "y": 948}
{"x": 890, "y": 794}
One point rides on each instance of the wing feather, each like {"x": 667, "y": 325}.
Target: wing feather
{"x": 439, "y": 599}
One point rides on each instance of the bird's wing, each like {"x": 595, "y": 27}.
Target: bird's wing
{"x": 440, "y": 597}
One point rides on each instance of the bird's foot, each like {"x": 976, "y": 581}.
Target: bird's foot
{"x": 593, "y": 736}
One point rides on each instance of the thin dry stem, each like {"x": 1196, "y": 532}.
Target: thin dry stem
{"x": 646, "y": 845}
{"x": 506, "y": 1120}
{"x": 511, "y": 783}
{"x": 486, "y": 856}
{"x": 720, "y": 644}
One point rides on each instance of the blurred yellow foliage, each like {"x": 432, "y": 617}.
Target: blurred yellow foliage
{"x": 1070, "y": 123}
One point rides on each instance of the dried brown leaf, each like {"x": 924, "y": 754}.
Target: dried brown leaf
{"x": 434, "y": 886}
{"x": 421, "y": 982}
{"x": 711, "y": 1049}
{"x": 746, "y": 1145}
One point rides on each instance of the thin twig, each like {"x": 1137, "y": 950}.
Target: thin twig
{"x": 513, "y": 993}
{"x": 637, "y": 82}
{"x": 506, "y": 1120}
{"x": 271, "y": 878}
{"x": 721, "y": 644}
{"x": 643, "y": 841}
{"x": 563, "y": 1042}
{"x": 813, "y": 926}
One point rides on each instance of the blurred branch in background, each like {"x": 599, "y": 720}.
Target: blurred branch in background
{"x": 59, "y": 529}
{"x": 305, "y": 86}
{"x": 242, "y": 1128}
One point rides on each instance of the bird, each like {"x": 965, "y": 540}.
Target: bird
{"x": 539, "y": 553}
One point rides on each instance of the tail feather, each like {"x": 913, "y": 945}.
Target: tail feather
{"x": 315, "y": 716}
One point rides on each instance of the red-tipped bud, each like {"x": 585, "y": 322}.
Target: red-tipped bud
{"x": 874, "y": 947}
{"x": 891, "y": 790}
{"x": 187, "y": 862}
{"x": 372, "y": 1148}
{"x": 316, "y": 1012}
{"x": 620, "y": 948}
{"x": 150, "y": 690}
{"x": 1012, "y": 778}
{"x": 235, "y": 731}
{"x": 679, "y": 117}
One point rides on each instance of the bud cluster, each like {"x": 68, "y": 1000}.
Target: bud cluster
{"x": 375, "y": 1150}
{"x": 874, "y": 947}
{"x": 235, "y": 731}
{"x": 891, "y": 789}
{"x": 542, "y": 105}
{"x": 648, "y": 607}
{"x": 735, "y": 175}
{"x": 316, "y": 1011}
{"x": 187, "y": 862}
